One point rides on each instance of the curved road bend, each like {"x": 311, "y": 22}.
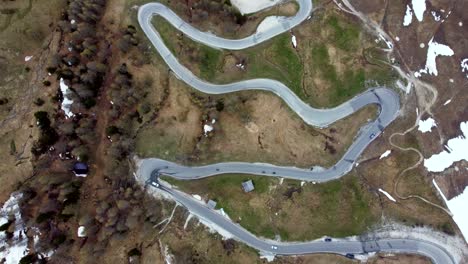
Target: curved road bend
{"x": 387, "y": 99}
{"x": 337, "y": 246}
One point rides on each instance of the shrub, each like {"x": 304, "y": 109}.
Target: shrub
{"x": 42, "y": 217}
{"x": 39, "y": 102}
{"x": 134, "y": 252}
{"x": 112, "y": 130}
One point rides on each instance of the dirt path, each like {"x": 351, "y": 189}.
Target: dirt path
{"x": 426, "y": 93}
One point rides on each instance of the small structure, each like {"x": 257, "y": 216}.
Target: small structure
{"x": 80, "y": 169}
{"x": 248, "y": 186}
{"x": 211, "y": 204}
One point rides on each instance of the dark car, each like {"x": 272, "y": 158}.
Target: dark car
{"x": 350, "y": 256}
{"x": 372, "y": 136}
{"x": 327, "y": 239}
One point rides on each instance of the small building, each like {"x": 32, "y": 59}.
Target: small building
{"x": 80, "y": 169}
{"x": 248, "y": 186}
{"x": 211, "y": 204}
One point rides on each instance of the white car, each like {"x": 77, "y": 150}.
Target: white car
{"x": 274, "y": 247}
{"x": 155, "y": 184}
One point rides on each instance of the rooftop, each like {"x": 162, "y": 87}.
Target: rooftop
{"x": 248, "y": 186}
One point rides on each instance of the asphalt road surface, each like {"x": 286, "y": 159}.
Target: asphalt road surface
{"x": 386, "y": 99}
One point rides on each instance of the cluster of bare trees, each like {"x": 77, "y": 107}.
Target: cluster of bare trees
{"x": 215, "y": 10}
{"x": 82, "y": 66}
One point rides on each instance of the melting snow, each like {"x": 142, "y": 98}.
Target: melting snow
{"x": 385, "y": 154}
{"x": 436, "y": 17}
{"x": 168, "y": 258}
{"x": 188, "y": 220}
{"x": 456, "y": 150}
{"x": 389, "y": 44}
{"x": 457, "y": 206}
{"x": 294, "y": 41}
{"x": 15, "y": 248}
{"x": 268, "y": 23}
{"x": 66, "y": 103}
{"x": 207, "y": 129}
{"x": 426, "y": 125}
{"x": 81, "y": 231}
{"x": 28, "y": 58}
{"x": 434, "y": 49}
{"x": 406, "y": 88}
{"x": 419, "y": 7}
{"x": 249, "y": 6}
{"x": 408, "y": 16}
{"x": 388, "y": 195}
{"x": 464, "y": 66}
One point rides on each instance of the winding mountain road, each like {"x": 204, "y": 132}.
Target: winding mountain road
{"x": 386, "y": 99}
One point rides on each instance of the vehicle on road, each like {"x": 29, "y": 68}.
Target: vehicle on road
{"x": 328, "y": 239}
{"x": 372, "y": 136}
{"x": 155, "y": 184}
{"x": 350, "y": 256}
{"x": 274, "y": 247}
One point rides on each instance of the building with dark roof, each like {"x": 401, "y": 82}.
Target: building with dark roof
{"x": 248, "y": 186}
{"x": 80, "y": 169}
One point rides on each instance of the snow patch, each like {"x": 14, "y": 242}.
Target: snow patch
{"x": 388, "y": 195}
{"x": 455, "y": 151}
{"x": 389, "y": 43}
{"x": 214, "y": 228}
{"x": 363, "y": 258}
{"x": 81, "y": 231}
{"x": 460, "y": 24}
{"x": 268, "y": 256}
{"x": 73, "y": 21}
{"x": 268, "y": 23}
{"x": 426, "y": 125}
{"x": 221, "y": 212}
{"x": 436, "y": 17}
{"x": 406, "y": 88}
{"x": 448, "y": 102}
{"x": 457, "y": 206}
{"x": 249, "y": 6}
{"x": 16, "y": 247}
{"x": 464, "y": 66}
{"x": 294, "y": 41}
{"x": 408, "y": 16}
{"x": 434, "y": 49}
{"x": 385, "y": 154}
{"x": 419, "y": 7}
{"x": 187, "y": 220}
{"x": 28, "y": 58}
{"x": 397, "y": 38}
{"x": 168, "y": 258}
{"x": 66, "y": 103}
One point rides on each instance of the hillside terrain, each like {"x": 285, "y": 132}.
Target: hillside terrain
{"x": 85, "y": 96}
